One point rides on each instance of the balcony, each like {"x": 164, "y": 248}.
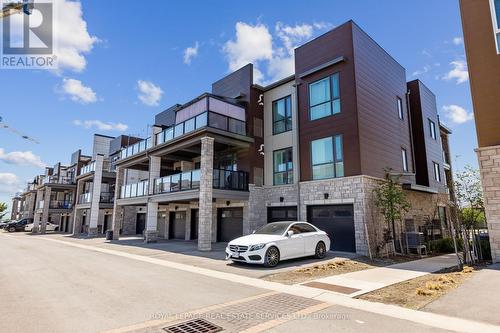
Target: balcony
{"x": 60, "y": 204}
{"x": 134, "y": 190}
{"x": 205, "y": 119}
{"x": 85, "y": 198}
{"x": 58, "y": 180}
{"x": 136, "y": 148}
{"x": 107, "y": 197}
{"x": 88, "y": 168}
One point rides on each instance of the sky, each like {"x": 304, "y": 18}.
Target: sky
{"x": 121, "y": 62}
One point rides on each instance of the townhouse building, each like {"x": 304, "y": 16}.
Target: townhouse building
{"x": 481, "y": 28}
{"x": 312, "y": 146}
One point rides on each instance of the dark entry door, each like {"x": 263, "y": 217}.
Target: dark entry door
{"x": 105, "y": 224}
{"x": 195, "y": 217}
{"x": 177, "y": 225}
{"x": 141, "y": 224}
{"x": 229, "y": 224}
{"x": 338, "y": 222}
{"x": 82, "y": 229}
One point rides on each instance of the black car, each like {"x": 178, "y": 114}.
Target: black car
{"x": 16, "y": 225}
{"x": 3, "y": 224}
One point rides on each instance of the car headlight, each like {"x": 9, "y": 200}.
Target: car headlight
{"x": 257, "y": 247}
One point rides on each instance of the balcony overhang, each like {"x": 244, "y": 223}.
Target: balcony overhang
{"x": 58, "y": 186}
{"x": 195, "y": 195}
{"x": 132, "y": 201}
{"x": 419, "y": 188}
{"x": 83, "y": 206}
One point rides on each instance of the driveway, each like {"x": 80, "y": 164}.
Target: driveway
{"x": 478, "y": 298}
{"x": 186, "y": 252}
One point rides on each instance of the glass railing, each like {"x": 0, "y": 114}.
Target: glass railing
{"x": 60, "y": 204}
{"x": 134, "y": 190}
{"x": 136, "y": 148}
{"x": 190, "y": 180}
{"x": 88, "y": 168}
{"x": 205, "y": 119}
{"x": 85, "y": 198}
{"x": 58, "y": 180}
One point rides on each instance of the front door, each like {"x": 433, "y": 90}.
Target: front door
{"x": 177, "y": 225}
{"x": 195, "y": 216}
{"x": 140, "y": 224}
{"x": 105, "y": 223}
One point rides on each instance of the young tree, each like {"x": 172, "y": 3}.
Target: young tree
{"x": 3, "y": 210}
{"x": 470, "y": 203}
{"x": 392, "y": 202}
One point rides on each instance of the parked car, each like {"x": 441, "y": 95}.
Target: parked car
{"x": 4, "y": 223}
{"x": 279, "y": 241}
{"x": 49, "y": 227}
{"x": 16, "y": 225}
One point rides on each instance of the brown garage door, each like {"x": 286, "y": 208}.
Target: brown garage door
{"x": 229, "y": 224}
{"x": 338, "y": 222}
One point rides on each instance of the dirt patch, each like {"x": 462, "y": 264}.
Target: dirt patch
{"x": 418, "y": 292}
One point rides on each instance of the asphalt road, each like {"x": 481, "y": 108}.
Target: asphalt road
{"x": 52, "y": 287}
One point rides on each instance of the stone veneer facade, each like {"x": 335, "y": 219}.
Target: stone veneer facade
{"x": 489, "y": 164}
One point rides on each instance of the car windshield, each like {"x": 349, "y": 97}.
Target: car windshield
{"x": 276, "y": 228}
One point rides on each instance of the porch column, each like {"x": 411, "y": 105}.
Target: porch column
{"x": 45, "y": 213}
{"x": 118, "y": 210}
{"x": 36, "y": 215}
{"x": 206, "y": 194}
{"x": 151, "y": 232}
{"x": 96, "y": 195}
{"x": 77, "y": 220}
{"x": 187, "y": 231}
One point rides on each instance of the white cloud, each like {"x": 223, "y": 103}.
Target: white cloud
{"x": 457, "y": 114}
{"x": 149, "y": 93}
{"x": 100, "y": 125}
{"x": 21, "y": 158}
{"x": 424, "y": 70}
{"x": 458, "y": 40}
{"x": 9, "y": 183}
{"x": 458, "y": 72}
{"x": 190, "y": 53}
{"x": 78, "y": 92}
{"x": 255, "y": 44}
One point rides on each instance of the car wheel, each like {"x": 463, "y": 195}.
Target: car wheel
{"x": 12, "y": 229}
{"x": 272, "y": 257}
{"x": 320, "y": 252}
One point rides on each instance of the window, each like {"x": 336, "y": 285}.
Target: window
{"x": 432, "y": 128}
{"x": 327, "y": 157}
{"x": 304, "y": 228}
{"x": 495, "y": 16}
{"x": 283, "y": 166}
{"x": 405, "y": 159}
{"x": 324, "y": 97}
{"x": 400, "y": 108}
{"x": 282, "y": 115}
{"x": 437, "y": 172}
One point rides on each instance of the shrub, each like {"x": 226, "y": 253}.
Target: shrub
{"x": 444, "y": 245}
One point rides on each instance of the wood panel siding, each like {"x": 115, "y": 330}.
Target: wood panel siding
{"x": 427, "y": 150}
{"x": 325, "y": 48}
{"x": 380, "y": 80}
{"x": 484, "y": 68}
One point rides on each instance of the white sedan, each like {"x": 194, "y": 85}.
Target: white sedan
{"x": 279, "y": 241}
{"x": 49, "y": 227}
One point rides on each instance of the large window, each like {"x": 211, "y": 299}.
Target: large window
{"x": 282, "y": 115}
{"x": 432, "y": 128}
{"x": 324, "y": 97}
{"x": 495, "y": 16}
{"x": 283, "y": 166}
{"x": 327, "y": 157}
{"x": 400, "y": 108}
{"x": 437, "y": 172}
{"x": 404, "y": 156}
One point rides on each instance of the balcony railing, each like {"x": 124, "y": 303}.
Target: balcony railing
{"x": 136, "y": 148}
{"x": 60, "y": 204}
{"x": 88, "y": 168}
{"x": 85, "y": 198}
{"x": 134, "y": 190}
{"x": 58, "y": 180}
{"x": 107, "y": 197}
{"x": 205, "y": 119}
{"x": 230, "y": 180}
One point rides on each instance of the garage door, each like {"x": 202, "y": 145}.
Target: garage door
{"x": 338, "y": 222}
{"x": 229, "y": 224}
{"x": 177, "y": 225}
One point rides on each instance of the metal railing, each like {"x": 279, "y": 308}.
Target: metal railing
{"x": 205, "y": 119}
{"x": 58, "y": 180}
{"x": 60, "y": 204}
{"x": 230, "y": 180}
{"x": 136, "y": 148}
{"x": 107, "y": 197}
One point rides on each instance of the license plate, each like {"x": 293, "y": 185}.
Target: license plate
{"x": 235, "y": 255}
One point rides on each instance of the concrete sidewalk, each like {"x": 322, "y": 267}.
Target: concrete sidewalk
{"x": 477, "y": 298}
{"x": 361, "y": 282}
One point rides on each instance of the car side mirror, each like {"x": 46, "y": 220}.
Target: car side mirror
{"x": 289, "y": 233}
